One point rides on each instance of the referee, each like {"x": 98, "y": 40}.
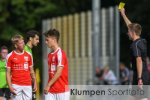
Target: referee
{"x": 138, "y": 55}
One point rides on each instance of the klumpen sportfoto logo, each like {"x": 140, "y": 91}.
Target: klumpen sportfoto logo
{"x": 107, "y": 91}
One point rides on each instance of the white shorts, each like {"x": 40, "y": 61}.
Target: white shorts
{"x": 59, "y": 96}
{"x": 23, "y": 92}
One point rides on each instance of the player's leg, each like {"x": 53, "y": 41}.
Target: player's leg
{"x": 33, "y": 93}
{"x": 63, "y": 96}
{"x": 50, "y": 96}
{"x": 7, "y": 93}
{"x": 27, "y": 93}
{"x": 1, "y": 94}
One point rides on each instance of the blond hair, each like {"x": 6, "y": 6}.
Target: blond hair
{"x": 16, "y": 38}
{"x": 136, "y": 28}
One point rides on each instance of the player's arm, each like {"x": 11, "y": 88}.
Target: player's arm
{"x": 8, "y": 78}
{"x": 139, "y": 63}
{"x": 56, "y": 76}
{"x": 32, "y": 73}
{"x": 139, "y": 67}
{"x": 127, "y": 21}
{"x": 54, "y": 79}
{"x": 139, "y": 71}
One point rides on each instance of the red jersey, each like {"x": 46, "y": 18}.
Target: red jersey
{"x": 55, "y": 59}
{"x": 20, "y": 64}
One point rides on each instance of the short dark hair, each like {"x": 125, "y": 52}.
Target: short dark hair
{"x": 136, "y": 28}
{"x": 3, "y": 47}
{"x": 32, "y": 34}
{"x": 52, "y": 32}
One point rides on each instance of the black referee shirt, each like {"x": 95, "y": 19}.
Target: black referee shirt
{"x": 139, "y": 49}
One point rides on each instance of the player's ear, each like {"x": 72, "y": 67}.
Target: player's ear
{"x": 30, "y": 38}
{"x": 15, "y": 46}
{"x": 135, "y": 33}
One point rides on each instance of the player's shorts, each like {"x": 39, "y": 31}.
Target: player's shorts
{"x": 22, "y": 92}
{"x": 5, "y": 92}
{"x": 59, "y": 96}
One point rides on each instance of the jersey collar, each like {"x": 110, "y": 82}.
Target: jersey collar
{"x": 19, "y": 53}
{"x": 55, "y": 50}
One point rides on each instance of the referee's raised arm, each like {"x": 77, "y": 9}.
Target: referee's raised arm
{"x": 127, "y": 21}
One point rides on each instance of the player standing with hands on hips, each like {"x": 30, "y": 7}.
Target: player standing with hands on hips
{"x": 57, "y": 86}
{"x": 138, "y": 55}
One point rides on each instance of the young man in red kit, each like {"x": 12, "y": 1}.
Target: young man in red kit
{"x": 20, "y": 71}
{"x": 57, "y": 86}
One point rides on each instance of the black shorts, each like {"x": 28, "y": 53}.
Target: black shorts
{"x": 5, "y": 92}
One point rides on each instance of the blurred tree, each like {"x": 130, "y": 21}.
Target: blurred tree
{"x": 18, "y": 16}
{"x": 22, "y": 15}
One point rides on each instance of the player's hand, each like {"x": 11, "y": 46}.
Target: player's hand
{"x": 46, "y": 89}
{"x": 35, "y": 87}
{"x": 12, "y": 90}
{"x": 140, "y": 83}
{"x": 122, "y": 11}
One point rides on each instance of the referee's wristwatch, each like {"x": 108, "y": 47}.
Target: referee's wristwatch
{"x": 139, "y": 78}
{"x": 140, "y": 81}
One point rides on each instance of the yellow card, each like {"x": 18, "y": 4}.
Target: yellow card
{"x": 121, "y": 5}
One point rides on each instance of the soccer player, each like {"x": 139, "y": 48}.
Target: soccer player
{"x": 32, "y": 40}
{"x": 138, "y": 54}
{"x": 4, "y": 90}
{"x": 20, "y": 70}
{"x": 57, "y": 86}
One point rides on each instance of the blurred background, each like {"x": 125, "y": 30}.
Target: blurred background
{"x": 92, "y": 33}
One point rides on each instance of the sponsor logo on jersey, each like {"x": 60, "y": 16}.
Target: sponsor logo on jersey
{"x": 53, "y": 59}
{"x": 15, "y": 58}
{"x": 26, "y": 58}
